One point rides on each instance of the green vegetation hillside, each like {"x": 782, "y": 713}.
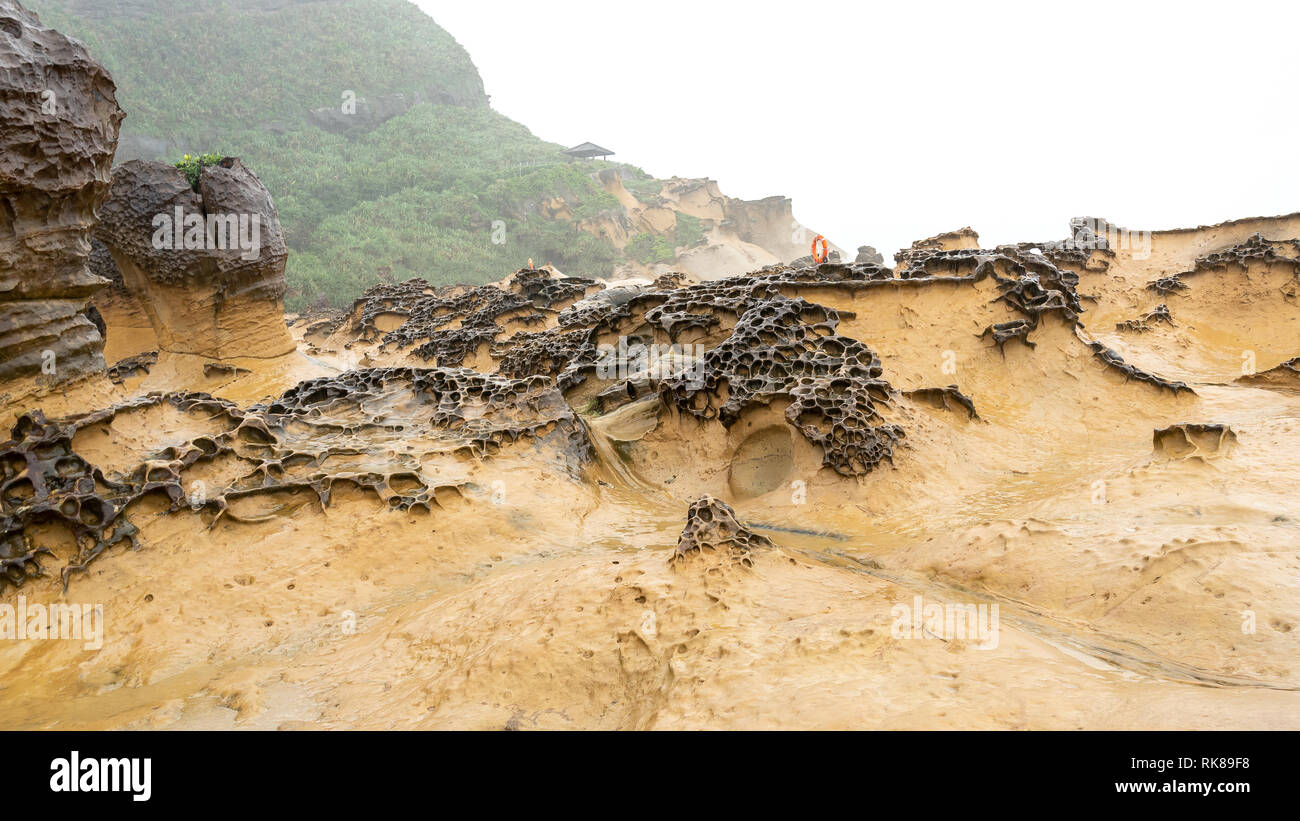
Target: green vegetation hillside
{"x": 418, "y": 193}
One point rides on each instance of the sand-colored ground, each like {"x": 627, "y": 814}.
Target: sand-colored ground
{"x": 1138, "y": 540}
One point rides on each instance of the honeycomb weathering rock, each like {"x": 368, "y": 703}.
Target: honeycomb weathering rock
{"x": 773, "y": 346}
{"x": 58, "y": 129}
{"x": 780, "y": 348}
{"x": 136, "y": 365}
{"x": 205, "y": 265}
{"x": 1255, "y": 249}
{"x": 564, "y": 355}
{"x": 838, "y": 414}
{"x": 449, "y": 324}
{"x": 711, "y": 525}
{"x": 1144, "y": 323}
{"x": 505, "y": 528}
{"x": 962, "y": 238}
{"x": 464, "y": 409}
{"x": 785, "y": 348}
{"x": 1167, "y": 285}
{"x": 546, "y": 291}
{"x": 45, "y": 481}
{"x": 357, "y": 429}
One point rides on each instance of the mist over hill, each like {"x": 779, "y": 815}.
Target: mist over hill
{"x": 370, "y": 126}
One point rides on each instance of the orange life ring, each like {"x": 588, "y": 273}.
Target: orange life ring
{"x": 826, "y": 249}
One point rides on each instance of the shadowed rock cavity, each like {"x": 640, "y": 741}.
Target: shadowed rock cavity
{"x": 1193, "y": 440}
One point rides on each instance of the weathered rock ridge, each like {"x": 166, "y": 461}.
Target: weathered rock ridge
{"x": 58, "y": 128}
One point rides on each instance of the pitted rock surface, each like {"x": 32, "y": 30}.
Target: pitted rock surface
{"x": 1145, "y": 323}
{"x": 785, "y": 348}
{"x": 58, "y": 129}
{"x": 447, "y": 324}
{"x": 206, "y": 263}
{"x": 352, "y": 429}
{"x": 711, "y": 525}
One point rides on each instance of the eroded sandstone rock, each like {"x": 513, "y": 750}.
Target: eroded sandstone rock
{"x": 206, "y": 265}
{"x": 313, "y": 440}
{"x": 869, "y": 255}
{"x": 711, "y": 525}
{"x": 59, "y": 122}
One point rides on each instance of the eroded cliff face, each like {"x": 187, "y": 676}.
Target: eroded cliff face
{"x": 205, "y": 266}
{"x": 58, "y": 128}
{"x": 739, "y": 235}
{"x": 556, "y": 502}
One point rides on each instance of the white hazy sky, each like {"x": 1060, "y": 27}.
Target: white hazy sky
{"x": 896, "y": 121}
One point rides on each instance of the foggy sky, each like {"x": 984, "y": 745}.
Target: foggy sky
{"x": 893, "y": 122}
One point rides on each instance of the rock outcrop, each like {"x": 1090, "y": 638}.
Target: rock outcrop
{"x": 711, "y": 524}
{"x": 59, "y": 123}
{"x": 42, "y": 478}
{"x": 491, "y": 480}
{"x": 869, "y": 256}
{"x": 963, "y": 239}
{"x": 206, "y": 265}
{"x": 737, "y": 235}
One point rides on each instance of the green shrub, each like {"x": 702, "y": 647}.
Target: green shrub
{"x": 193, "y": 166}
{"x": 649, "y": 249}
{"x": 690, "y": 231}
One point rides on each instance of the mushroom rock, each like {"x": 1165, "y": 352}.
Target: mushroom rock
{"x": 205, "y": 263}
{"x": 59, "y": 123}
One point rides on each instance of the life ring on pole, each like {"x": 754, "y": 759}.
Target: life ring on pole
{"x": 825, "y": 251}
